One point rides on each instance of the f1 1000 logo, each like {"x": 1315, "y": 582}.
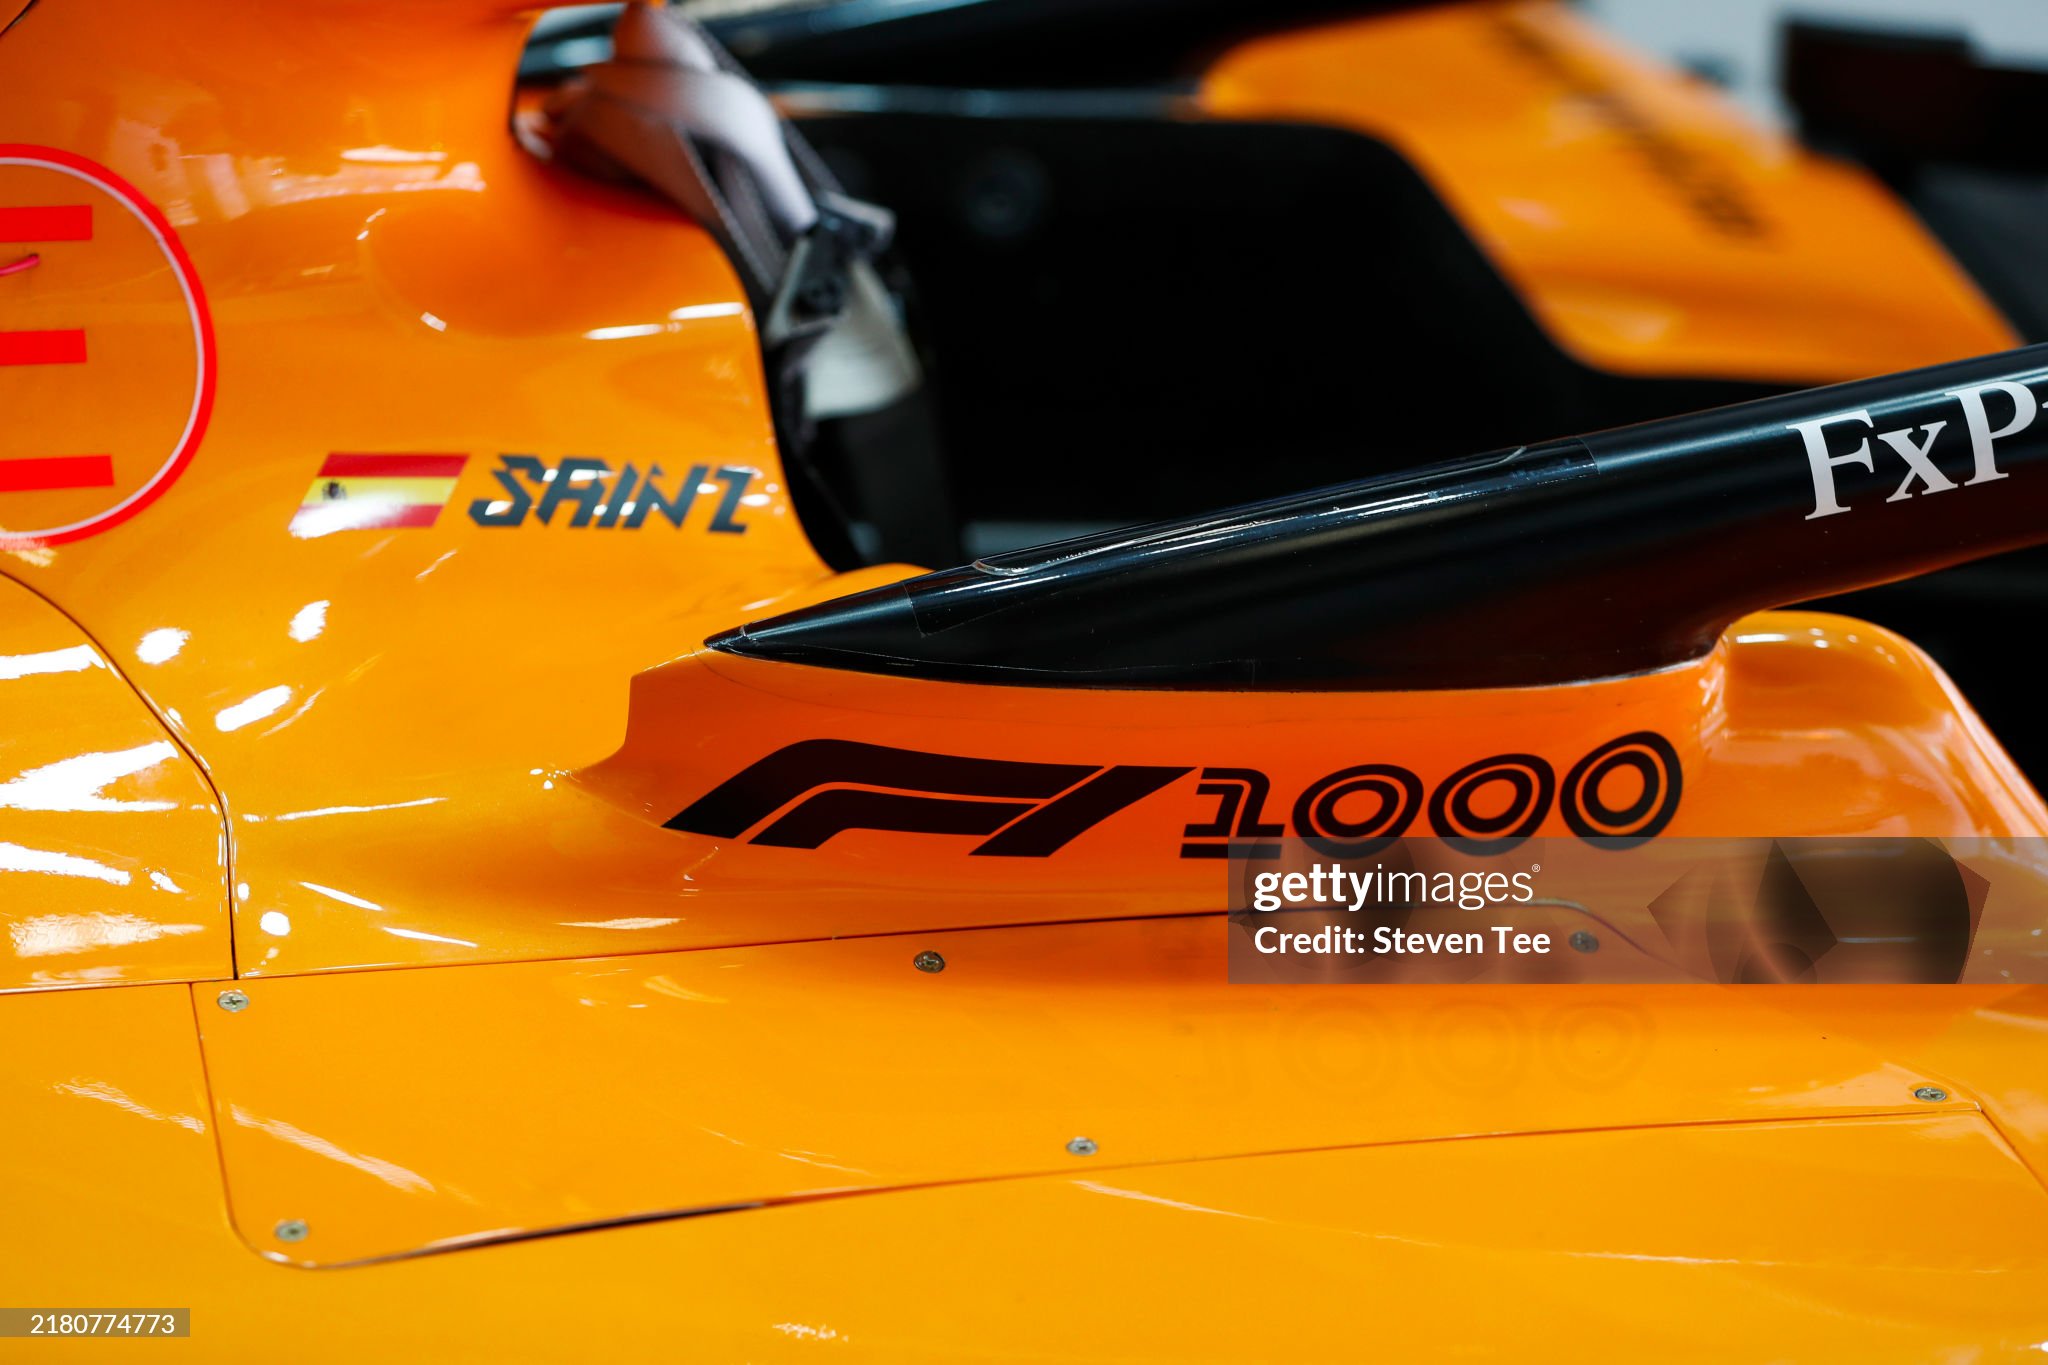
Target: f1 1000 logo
{"x": 1026, "y": 810}
{"x": 1357, "y": 810}
{"x": 802, "y": 795}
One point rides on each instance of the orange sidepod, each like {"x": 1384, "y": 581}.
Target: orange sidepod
{"x": 459, "y": 875}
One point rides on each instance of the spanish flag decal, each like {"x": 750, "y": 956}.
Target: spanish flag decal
{"x": 366, "y": 492}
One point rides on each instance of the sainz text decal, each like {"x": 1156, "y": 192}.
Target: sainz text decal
{"x": 590, "y": 493}
{"x": 802, "y": 795}
{"x": 391, "y": 490}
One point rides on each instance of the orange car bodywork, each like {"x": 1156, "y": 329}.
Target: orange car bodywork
{"x": 1649, "y": 226}
{"x": 362, "y": 731}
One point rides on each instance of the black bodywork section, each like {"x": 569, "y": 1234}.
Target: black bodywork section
{"x": 1590, "y": 557}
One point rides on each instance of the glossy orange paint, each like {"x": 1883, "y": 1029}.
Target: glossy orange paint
{"x": 454, "y": 745}
{"x": 674, "y": 1082}
{"x": 405, "y": 281}
{"x": 112, "y": 855}
{"x": 1650, "y": 227}
{"x": 1868, "y": 1238}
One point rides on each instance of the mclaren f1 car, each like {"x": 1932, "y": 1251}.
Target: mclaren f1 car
{"x": 488, "y": 872}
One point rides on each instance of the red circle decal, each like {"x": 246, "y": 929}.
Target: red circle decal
{"x": 107, "y": 360}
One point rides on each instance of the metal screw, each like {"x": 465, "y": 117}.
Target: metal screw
{"x": 234, "y": 1002}
{"x": 292, "y": 1230}
{"x": 1932, "y": 1094}
{"x": 928, "y": 961}
{"x": 1584, "y": 942}
{"x": 1081, "y": 1146}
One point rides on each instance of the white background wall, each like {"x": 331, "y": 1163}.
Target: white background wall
{"x": 1739, "y": 37}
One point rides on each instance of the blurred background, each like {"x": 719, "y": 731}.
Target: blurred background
{"x": 1738, "y": 43}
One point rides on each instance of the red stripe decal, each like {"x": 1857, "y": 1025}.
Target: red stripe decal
{"x": 34, "y": 472}
{"x": 405, "y": 514}
{"x": 342, "y": 466}
{"x": 56, "y": 223}
{"x": 66, "y": 347}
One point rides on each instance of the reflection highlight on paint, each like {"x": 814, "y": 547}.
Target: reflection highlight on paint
{"x": 161, "y": 645}
{"x": 344, "y": 897}
{"x": 74, "y": 659}
{"x": 16, "y": 858}
{"x": 309, "y": 621}
{"x": 63, "y": 935}
{"x": 390, "y": 1172}
{"x": 78, "y": 783}
{"x": 268, "y": 702}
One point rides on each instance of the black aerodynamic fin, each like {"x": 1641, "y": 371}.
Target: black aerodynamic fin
{"x": 1600, "y": 555}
